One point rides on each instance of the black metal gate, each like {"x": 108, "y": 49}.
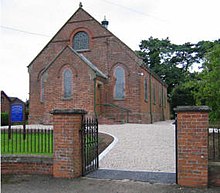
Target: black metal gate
{"x": 90, "y": 155}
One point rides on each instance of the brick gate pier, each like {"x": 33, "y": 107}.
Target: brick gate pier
{"x": 192, "y": 145}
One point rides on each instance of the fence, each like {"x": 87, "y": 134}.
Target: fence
{"x": 27, "y": 141}
{"x": 214, "y": 143}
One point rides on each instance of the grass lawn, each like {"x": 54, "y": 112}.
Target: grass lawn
{"x": 37, "y": 143}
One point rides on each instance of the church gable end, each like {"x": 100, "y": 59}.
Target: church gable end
{"x": 80, "y": 16}
{"x": 85, "y": 65}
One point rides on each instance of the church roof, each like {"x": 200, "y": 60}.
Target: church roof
{"x": 11, "y": 99}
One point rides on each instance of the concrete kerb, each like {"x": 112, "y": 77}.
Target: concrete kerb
{"x": 111, "y": 146}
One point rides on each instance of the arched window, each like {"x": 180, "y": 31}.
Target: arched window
{"x": 42, "y": 85}
{"x": 68, "y": 82}
{"x": 81, "y": 41}
{"x": 154, "y": 93}
{"x": 146, "y": 89}
{"x": 119, "y": 89}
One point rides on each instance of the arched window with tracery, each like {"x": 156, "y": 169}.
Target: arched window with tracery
{"x": 119, "y": 89}
{"x": 81, "y": 41}
{"x": 67, "y": 83}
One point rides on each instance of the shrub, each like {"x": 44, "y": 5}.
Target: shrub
{"x": 4, "y": 119}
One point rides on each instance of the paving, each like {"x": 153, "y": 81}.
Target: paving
{"x": 141, "y": 176}
{"x": 48, "y": 184}
{"x": 142, "y": 152}
{"x": 141, "y": 147}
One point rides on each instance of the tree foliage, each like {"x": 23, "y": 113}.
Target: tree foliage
{"x": 209, "y": 82}
{"x": 174, "y": 64}
{"x": 169, "y": 61}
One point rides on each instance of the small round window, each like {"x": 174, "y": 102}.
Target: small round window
{"x": 81, "y": 41}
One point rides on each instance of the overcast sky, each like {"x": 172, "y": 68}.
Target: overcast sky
{"x": 28, "y": 25}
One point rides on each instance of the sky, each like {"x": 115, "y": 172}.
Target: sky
{"x": 28, "y": 25}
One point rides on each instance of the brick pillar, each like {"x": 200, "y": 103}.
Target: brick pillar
{"x": 192, "y": 146}
{"x": 67, "y": 158}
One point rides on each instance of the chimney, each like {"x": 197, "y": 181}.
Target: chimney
{"x": 105, "y": 23}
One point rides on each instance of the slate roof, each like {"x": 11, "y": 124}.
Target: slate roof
{"x": 11, "y": 99}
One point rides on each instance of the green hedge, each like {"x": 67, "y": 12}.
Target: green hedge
{"x": 4, "y": 119}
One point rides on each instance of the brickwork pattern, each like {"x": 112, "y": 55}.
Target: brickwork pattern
{"x": 192, "y": 149}
{"x": 67, "y": 160}
{"x": 26, "y": 165}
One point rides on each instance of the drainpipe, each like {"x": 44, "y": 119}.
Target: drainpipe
{"x": 163, "y": 117}
{"x": 95, "y": 97}
{"x": 151, "y": 116}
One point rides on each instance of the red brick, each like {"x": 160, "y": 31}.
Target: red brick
{"x": 67, "y": 146}
{"x": 192, "y": 145}
{"x": 106, "y": 51}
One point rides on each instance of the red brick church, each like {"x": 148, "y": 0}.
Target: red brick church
{"x": 85, "y": 66}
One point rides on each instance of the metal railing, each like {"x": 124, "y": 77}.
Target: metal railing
{"x": 27, "y": 141}
{"x": 118, "y": 113}
{"x": 214, "y": 143}
{"x": 90, "y": 159}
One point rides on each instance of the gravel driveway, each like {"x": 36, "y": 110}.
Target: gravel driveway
{"x": 141, "y": 147}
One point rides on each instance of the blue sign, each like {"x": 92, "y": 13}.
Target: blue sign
{"x": 17, "y": 113}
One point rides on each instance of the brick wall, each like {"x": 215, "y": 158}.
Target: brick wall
{"x": 192, "y": 146}
{"x": 67, "y": 158}
{"x": 12, "y": 164}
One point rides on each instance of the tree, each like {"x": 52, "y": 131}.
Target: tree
{"x": 209, "y": 82}
{"x": 183, "y": 95}
{"x": 153, "y": 50}
{"x": 172, "y": 63}
{"x": 169, "y": 61}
